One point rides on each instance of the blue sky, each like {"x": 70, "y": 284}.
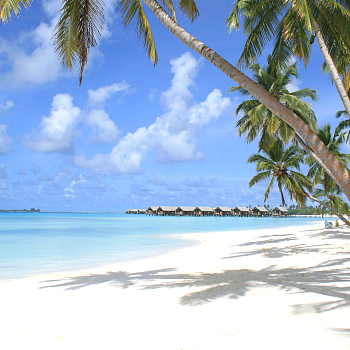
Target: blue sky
{"x": 132, "y": 135}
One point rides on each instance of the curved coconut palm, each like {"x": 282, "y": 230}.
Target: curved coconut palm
{"x": 277, "y": 165}
{"x": 257, "y": 120}
{"x": 293, "y": 25}
{"x": 76, "y": 25}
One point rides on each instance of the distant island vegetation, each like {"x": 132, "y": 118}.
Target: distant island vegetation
{"x": 31, "y": 210}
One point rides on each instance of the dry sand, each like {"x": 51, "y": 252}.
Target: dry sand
{"x": 268, "y": 289}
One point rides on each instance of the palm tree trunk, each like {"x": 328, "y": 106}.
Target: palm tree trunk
{"x": 280, "y": 189}
{"x": 341, "y": 217}
{"x": 328, "y": 160}
{"x": 332, "y": 68}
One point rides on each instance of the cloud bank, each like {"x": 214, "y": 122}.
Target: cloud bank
{"x": 172, "y": 135}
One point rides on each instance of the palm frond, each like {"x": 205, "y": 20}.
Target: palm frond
{"x": 259, "y": 26}
{"x": 232, "y": 19}
{"x": 78, "y": 30}
{"x": 189, "y": 9}
{"x": 282, "y": 54}
{"x": 239, "y": 89}
{"x": 130, "y": 9}
{"x": 297, "y": 36}
{"x": 305, "y": 93}
{"x": 8, "y": 8}
{"x": 268, "y": 189}
{"x": 168, "y": 6}
{"x": 340, "y": 114}
{"x": 259, "y": 177}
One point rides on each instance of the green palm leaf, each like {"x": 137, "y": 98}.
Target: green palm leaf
{"x": 78, "y": 30}
{"x": 189, "y": 9}
{"x": 12, "y": 7}
{"x": 130, "y": 9}
{"x": 257, "y": 120}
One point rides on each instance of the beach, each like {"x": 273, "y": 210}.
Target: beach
{"x": 282, "y": 288}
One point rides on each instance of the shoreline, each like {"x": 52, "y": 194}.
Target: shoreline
{"x": 100, "y": 261}
{"x": 199, "y": 238}
{"x": 286, "y": 286}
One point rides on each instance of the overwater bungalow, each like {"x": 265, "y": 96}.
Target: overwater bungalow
{"x": 166, "y": 211}
{"x": 241, "y": 211}
{"x": 185, "y": 211}
{"x": 280, "y": 211}
{"x": 223, "y": 211}
{"x": 260, "y": 211}
{"x": 204, "y": 211}
{"x": 152, "y": 210}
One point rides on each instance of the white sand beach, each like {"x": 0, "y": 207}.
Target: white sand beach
{"x": 268, "y": 289}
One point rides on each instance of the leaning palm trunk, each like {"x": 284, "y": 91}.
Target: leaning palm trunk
{"x": 328, "y": 160}
{"x": 332, "y": 68}
{"x": 340, "y": 216}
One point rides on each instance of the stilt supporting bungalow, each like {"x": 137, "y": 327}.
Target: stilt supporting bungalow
{"x": 185, "y": 211}
{"x": 204, "y": 211}
{"x": 223, "y": 211}
{"x": 260, "y": 211}
{"x": 241, "y": 211}
{"x": 280, "y": 211}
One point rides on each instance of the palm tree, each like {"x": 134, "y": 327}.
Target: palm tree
{"x": 332, "y": 198}
{"x": 277, "y": 165}
{"x": 80, "y": 27}
{"x": 329, "y": 190}
{"x": 257, "y": 120}
{"x": 333, "y": 143}
{"x": 293, "y": 25}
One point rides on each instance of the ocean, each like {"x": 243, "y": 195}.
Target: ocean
{"x": 37, "y": 243}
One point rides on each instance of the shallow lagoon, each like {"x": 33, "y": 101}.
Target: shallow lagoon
{"x": 35, "y": 243}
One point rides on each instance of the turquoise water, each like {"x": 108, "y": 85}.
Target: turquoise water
{"x": 34, "y": 243}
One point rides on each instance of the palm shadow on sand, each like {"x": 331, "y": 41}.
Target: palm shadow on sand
{"x": 330, "y": 278}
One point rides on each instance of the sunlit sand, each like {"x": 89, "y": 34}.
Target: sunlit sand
{"x": 268, "y": 289}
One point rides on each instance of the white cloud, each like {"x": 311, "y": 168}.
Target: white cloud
{"x": 7, "y": 105}
{"x": 57, "y": 131}
{"x": 172, "y": 134}
{"x": 294, "y": 85}
{"x": 69, "y": 191}
{"x": 51, "y": 7}
{"x": 3, "y": 177}
{"x": 104, "y": 129}
{"x": 99, "y": 97}
{"x": 39, "y": 65}
{"x": 5, "y": 140}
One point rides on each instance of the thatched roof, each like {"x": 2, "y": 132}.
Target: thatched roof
{"x": 283, "y": 209}
{"x": 167, "y": 208}
{"x": 261, "y": 209}
{"x": 223, "y": 208}
{"x": 205, "y": 209}
{"x": 186, "y": 208}
{"x": 241, "y": 208}
{"x": 153, "y": 208}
